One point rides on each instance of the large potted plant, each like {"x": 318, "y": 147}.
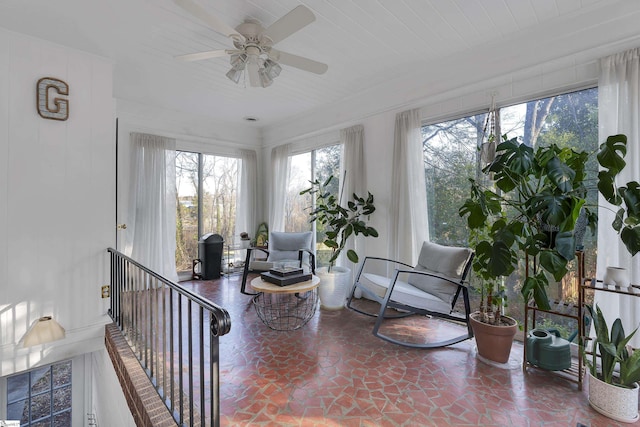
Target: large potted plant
{"x": 612, "y": 383}
{"x": 339, "y": 224}
{"x": 526, "y": 193}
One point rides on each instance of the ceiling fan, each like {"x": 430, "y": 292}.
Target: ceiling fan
{"x": 253, "y": 45}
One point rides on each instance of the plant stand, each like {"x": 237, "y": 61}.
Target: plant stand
{"x": 574, "y": 373}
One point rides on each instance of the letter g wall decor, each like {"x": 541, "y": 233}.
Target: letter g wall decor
{"x": 52, "y": 108}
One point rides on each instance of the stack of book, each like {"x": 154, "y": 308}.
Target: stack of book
{"x": 285, "y": 276}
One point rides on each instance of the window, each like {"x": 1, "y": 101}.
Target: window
{"x": 318, "y": 164}
{"x": 41, "y": 397}
{"x": 207, "y": 187}
{"x": 451, "y": 157}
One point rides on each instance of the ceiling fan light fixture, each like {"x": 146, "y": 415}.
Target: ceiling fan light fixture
{"x": 234, "y": 74}
{"x": 238, "y": 60}
{"x": 253, "y": 44}
{"x": 272, "y": 68}
{"x": 265, "y": 79}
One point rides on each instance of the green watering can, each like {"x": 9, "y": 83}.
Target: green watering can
{"x": 547, "y": 350}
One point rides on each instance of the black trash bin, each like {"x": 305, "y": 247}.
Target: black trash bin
{"x": 210, "y": 252}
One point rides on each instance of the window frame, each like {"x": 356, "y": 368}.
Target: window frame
{"x": 81, "y": 397}
{"x": 313, "y": 151}
{"x": 186, "y": 274}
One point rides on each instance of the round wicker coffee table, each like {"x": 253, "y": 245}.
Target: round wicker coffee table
{"x": 285, "y": 308}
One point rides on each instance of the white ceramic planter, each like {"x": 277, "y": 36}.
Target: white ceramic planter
{"x": 333, "y": 287}
{"x": 617, "y": 403}
{"x": 617, "y": 276}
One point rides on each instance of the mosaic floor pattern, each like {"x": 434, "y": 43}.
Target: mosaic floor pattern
{"x": 334, "y": 372}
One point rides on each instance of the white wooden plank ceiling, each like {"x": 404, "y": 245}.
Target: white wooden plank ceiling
{"x": 364, "y": 42}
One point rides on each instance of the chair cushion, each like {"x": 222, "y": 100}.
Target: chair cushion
{"x": 405, "y": 293}
{"x": 286, "y": 246}
{"x": 444, "y": 261}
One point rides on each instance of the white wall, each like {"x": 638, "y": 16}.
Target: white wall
{"x": 57, "y": 197}
{"x": 111, "y": 408}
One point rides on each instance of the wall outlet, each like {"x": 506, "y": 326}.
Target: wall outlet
{"x": 106, "y": 291}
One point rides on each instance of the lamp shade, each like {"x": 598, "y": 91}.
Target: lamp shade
{"x": 265, "y": 79}
{"x": 272, "y": 69}
{"x": 46, "y": 329}
{"x": 234, "y": 74}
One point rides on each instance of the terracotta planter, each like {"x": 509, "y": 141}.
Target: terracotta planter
{"x": 617, "y": 403}
{"x": 494, "y": 342}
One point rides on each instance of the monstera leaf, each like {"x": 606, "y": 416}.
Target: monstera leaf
{"x": 627, "y": 220}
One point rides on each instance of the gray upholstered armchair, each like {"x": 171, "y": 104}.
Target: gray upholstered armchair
{"x": 283, "y": 248}
{"x": 430, "y": 288}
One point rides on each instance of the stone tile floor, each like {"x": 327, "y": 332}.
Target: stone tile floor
{"x": 334, "y": 372}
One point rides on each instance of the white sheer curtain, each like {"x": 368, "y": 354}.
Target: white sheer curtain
{"x": 355, "y": 180}
{"x": 247, "y": 205}
{"x": 151, "y": 231}
{"x": 619, "y": 112}
{"x": 409, "y": 225}
{"x": 280, "y": 165}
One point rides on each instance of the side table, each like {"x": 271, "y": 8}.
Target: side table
{"x": 285, "y": 308}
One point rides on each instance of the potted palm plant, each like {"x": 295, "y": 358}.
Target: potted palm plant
{"x": 612, "y": 392}
{"x": 526, "y": 193}
{"x": 340, "y": 223}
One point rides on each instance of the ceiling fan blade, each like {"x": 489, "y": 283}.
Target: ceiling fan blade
{"x": 298, "y": 18}
{"x": 216, "y": 24}
{"x": 296, "y": 61}
{"x": 204, "y": 55}
{"x": 252, "y": 69}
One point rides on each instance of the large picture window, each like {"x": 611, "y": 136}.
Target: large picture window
{"x": 317, "y": 164}
{"x": 207, "y": 187}
{"x": 451, "y": 157}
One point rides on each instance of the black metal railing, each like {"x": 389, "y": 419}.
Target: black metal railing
{"x": 165, "y": 325}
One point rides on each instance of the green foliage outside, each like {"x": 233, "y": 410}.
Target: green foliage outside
{"x": 217, "y": 212}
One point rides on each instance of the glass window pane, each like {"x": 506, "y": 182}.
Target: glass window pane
{"x": 186, "y": 209}
{"x": 40, "y": 406}
{"x": 61, "y": 399}
{"x": 19, "y": 411}
{"x": 40, "y": 380}
{"x": 327, "y": 163}
{"x": 61, "y": 374}
{"x": 63, "y": 419}
{"x": 17, "y": 387}
{"x": 42, "y": 423}
{"x": 296, "y": 206}
{"x": 450, "y": 158}
{"x": 220, "y": 184}
{"x": 218, "y": 205}
{"x": 318, "y": 164}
